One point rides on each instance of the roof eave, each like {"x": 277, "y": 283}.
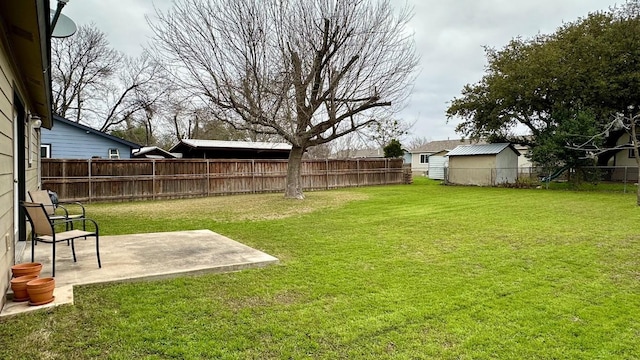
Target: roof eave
{"x": 27, "y": 31}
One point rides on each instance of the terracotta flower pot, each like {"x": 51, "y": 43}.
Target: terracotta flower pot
{"x": 19, "y": 287}
{"x": 26, "y": 269}
{"x": 41, "y": 290}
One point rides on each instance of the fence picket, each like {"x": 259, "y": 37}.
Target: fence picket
{"x": 142, "y": 179}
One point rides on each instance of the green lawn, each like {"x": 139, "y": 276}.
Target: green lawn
{"x": 416, "y": 271}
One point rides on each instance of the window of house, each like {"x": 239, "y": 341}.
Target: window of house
{"x": 114, "y": 154}
{"x": 424, "y": 159}
{"x": 45, "y": 151}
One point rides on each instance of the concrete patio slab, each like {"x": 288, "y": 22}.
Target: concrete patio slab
{"x": 140, "y": 257}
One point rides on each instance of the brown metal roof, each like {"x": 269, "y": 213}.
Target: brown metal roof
{"x": 481, "y": 149}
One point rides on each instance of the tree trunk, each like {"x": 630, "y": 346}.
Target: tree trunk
{"x": 294, "y": 176}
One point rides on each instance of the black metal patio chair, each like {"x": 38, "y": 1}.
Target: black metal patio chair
{"x": 43, "y": 230}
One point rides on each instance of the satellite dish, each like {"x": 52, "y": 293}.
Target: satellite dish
{"x": 63, "y": 27}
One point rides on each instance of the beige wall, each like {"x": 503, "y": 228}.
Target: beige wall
{"x": 484, "y": 170}
{"x": 417, "y": 168}
{"x": 471, "y": 170}
{"x": 506, "y": 167}
{"x": 8, "y": 81}
{"x": 523, "y": 161}
{"x": 6, "y": 174}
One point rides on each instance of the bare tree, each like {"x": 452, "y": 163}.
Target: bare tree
{"x": 81, "y": 65}
{"x": 137, "y": 90}
{"x": 418, "y": 141}
{"x": 185, "y": 119}
{"x": 97, "y": 85}
{"x": 323, "y": 151}
{"x": 384, "y": 130}
{"x": 309, "y": 71}
{"x": 347, "y": 146}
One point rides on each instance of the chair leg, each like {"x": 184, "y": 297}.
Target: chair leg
{"x": 53, "y": 260}
{"x": 73, "y": 250}
{"x": 98, "y": 251}
{"x": 33, "y": 246}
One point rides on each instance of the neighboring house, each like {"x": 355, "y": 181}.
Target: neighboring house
{"x": 152, "y": 152}
{"x": 70, "y": 140}
{"x": 623, "y": 160}
{"x": 219, "y": 149}
{"x": 484, "y": 165}
{"x": 25, "y": 106}
{"x": 524, "y": 163}
{"x": 625, "y": 157}
{"x": 420, "y": 156}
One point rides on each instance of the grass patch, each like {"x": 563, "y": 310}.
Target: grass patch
{"x": 630, "y": 187}
{"x": 397, "y": 272}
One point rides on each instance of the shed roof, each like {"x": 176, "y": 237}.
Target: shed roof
{"x": 481, "y": 149}
{"x": 152, "y": 152}
{"x": 439, "y": 145}
{"x": 222, "y": 144}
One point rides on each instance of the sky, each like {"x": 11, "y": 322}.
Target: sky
{"x": 449, "y": 35}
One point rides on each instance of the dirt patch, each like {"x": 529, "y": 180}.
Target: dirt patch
{"x": 236, "y": 208}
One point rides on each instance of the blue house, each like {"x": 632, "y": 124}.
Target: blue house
{"x": 70, "y": 140}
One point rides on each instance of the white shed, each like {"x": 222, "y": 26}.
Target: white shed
{"x": 437, "y": 163}
{"x": 484, "y": 165}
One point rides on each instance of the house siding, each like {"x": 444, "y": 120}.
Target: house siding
{"x": 7, "y": 197}
{"x": 436, "y": 166}
{"x": 418, "y": 168}
{"x": 622, "y": 157}
{"x": 6, "y": 173}
{"x": 84, "y": 146}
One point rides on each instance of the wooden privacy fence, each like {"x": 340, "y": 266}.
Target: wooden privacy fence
{"x": 139, "y": 179}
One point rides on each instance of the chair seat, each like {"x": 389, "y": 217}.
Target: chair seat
{"x": 66, "y": 235}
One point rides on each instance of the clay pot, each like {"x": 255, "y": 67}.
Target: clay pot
{"x": 19, "y": 287}
{"x": 26, "y": 269}
{"x": 41, "y": 290}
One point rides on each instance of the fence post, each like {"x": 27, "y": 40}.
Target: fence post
{"x": 386, "y": 170}
{"x": 357, "y": 172}
{"x": 253, "y": 175}
{"x": 326, "y": 172}
{"x": 208, "y": 178}
{"x": 89, "y": 180}
{"x": 153, "y": 179}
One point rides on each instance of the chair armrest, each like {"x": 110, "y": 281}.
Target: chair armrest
{"x": 74, "y": 203}
{"x": 83, "y": 220}
{"x": 66, "y": 213}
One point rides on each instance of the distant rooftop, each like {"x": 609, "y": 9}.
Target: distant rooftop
{"x": 153, "y": 152}
{"x": 222, "y": 144}
{"x": 439, "y": 145}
